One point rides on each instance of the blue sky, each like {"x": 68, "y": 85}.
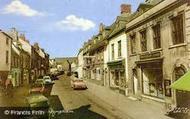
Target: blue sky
{"x": 60, "y": 26}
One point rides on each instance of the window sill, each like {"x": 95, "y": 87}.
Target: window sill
{"x": 177, "y": 45}
{"x": 134, "y": 54}
{"x": 156, "y": 50}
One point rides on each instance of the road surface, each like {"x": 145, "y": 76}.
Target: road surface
{"x": 81, "y": 104}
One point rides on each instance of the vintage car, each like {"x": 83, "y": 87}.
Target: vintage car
{"x": 78, "y": 84}
{"x": 43, "y": 86}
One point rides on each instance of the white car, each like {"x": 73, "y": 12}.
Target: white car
{"x": 47, "y": 79}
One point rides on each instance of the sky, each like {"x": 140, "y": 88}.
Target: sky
{"x": 60, "y": 26}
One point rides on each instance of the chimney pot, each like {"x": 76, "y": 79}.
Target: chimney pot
{"x": 125, "y": 8}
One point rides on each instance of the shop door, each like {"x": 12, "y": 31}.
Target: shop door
{"x": 135, "y": 81}
{"x": 117, "y": 78}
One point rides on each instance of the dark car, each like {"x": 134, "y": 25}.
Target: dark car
{"x": 54, "y": 77}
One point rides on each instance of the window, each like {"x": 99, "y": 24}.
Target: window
{"x": 119, "y": 48}
{"x": 112, "y": 51}
{"x": 7, "y": 57}
{"x": 7, "y": 41}
{"x": 156, "y": 36}
{"x": 143, "y": 41}
{"x": 177, "y": 29}
{"x": 133, "y": 44}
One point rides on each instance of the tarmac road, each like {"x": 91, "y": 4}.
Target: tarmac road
{"x": 81, "y": 104}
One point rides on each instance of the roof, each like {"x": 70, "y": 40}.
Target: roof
{"x": 41, "y": 53}
{"x": 144, "y": 6}
{"x": 182, "y": 83}
{"x": 119, "y": 24}
{"x": 15, "y": 49}
{"x": 25, "y": 46}
{"x": 5, "y": 34}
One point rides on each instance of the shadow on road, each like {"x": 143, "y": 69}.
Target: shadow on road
{"x": 82, "y": 112}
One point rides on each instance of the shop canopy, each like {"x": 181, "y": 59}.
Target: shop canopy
{"x": 182, "y": 83}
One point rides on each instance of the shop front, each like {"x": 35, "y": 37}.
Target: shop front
{"x": 117, "y": 74}
{"x": 152, "y": 78}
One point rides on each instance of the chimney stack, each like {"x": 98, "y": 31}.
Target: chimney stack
{"x": 125, "y": 8}
{"x": 22, "y": 36}
{"x": 101, "y": 27}
{"x": 36, "y": 46}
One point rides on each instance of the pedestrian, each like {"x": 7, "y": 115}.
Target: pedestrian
{"x": 9, "y": 86}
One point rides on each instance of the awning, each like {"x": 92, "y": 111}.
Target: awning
{"x": 182, "y": 83}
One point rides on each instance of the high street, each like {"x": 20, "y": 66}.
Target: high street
{"x": 83, "y": 104}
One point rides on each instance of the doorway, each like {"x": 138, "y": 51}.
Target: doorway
{"x": 135, "y": 82}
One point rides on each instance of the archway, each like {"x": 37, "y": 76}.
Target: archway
{"x": 182, "y": 97}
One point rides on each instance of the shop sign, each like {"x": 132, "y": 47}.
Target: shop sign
{"x": 150, "y": 55}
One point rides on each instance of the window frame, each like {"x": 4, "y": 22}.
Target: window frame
{"x": 177, "y": 29}
{"x": 112, "y": 51}
{"x": 133, "y": 43}
{"x": 156, "y": 36}
{"x": 7, "y": 57}
{"x": 119, "y": 48}
{"x": 143, "y": 40}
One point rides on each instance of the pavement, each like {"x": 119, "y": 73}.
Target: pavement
{"x": 16, "y": 99}
{"x": 133, "y": 108}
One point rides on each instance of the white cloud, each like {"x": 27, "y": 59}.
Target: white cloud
{"x": 73, "y": 23}
{"x": 19, "y": 8}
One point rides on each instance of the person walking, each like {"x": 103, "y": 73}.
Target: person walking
{"x": 9, "y": 86}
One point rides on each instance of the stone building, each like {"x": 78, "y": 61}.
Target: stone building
{"x": 87, "y": 60}
{"x": 16, "y": 64}
{"x": 63, "y": 61}
{"x": 5, "y": 59}
{"x": 80, "y": 64}
{"x": 97, "y": 49}
{"x": 25, "y": 59}
{"x": 158, "y": 50}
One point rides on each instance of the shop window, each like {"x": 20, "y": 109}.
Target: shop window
{"x": 167, "y": 88}
{"x": 177, "y": 29}
{"x": 152, "y": 82}
{"x": 119, "y": 48}
{"x": 122, "y": 78}
{"x": 133, "y": 44}
{"x": 156, "y": 36}
{"x": 143, "y": 41}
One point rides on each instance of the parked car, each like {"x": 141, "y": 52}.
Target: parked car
{"x": 42, "y": 86}
{"x": 78, "y": 84}
{"x": 47, "y": 79}
{"x": 38, "y": 102}
{"x": 54, "y": 77}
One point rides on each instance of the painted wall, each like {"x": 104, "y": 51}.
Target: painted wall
{"x": 123, "y": 38}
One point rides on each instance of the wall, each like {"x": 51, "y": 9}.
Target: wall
{"x": 80, "y": 64}
{"x": 122, "y": 36}
{"x": 3, "y": 48}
